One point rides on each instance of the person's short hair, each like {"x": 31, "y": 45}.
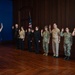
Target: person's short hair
{"x": 37, "y": 27}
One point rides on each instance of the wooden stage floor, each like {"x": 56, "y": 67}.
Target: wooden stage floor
{"x": 18, "y": 62}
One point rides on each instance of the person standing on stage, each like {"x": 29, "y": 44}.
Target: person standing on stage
{"x": 46, "y": 39}
{"x": 21, "y": 38}
{"x": 29, "y": 39}
{"x": 67, "y": 42}
{"x": 55, "y": 40}
{"x": 16, "y": 35}
{"x": 37, "y": 37}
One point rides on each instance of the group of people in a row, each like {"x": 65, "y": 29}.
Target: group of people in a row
{"x": 19, "y": 36}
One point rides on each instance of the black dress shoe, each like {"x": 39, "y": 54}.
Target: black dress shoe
{"x": 68, "y": 58}
{"x": 54, "y": 56}
{"x": 65, "y": 58}
{"x": 57, "y": 56}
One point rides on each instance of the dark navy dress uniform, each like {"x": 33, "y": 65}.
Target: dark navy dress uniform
{"x": 16, "y": 37}
{"x": 29, "y": 39}
{"x": 37, "y": 36}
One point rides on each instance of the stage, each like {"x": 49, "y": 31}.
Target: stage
{"x": 18, "y": 62}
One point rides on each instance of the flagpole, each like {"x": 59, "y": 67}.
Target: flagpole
{"x": 30, "y": 20}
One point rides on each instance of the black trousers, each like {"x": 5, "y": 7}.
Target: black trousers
{"x": 21, "y": 44}
{"x": 29, "y": 45}
{"x": 17, "y": 43}
{"x": 36, "y": 46}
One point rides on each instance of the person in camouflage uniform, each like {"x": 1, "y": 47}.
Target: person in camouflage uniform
{"x": 67, "y": 42}
{"x": 46, "y": 38}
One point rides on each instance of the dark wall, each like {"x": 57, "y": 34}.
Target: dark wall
{"x": 6, "y": 17}
{"x": 45, "y": 12}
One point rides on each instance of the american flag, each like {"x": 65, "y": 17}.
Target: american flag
{"x": 30, "y": 20}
